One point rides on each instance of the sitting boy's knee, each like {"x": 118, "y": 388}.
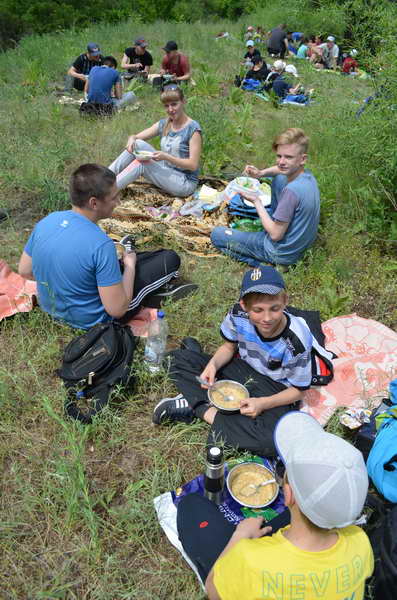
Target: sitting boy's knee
{"x": 172, "y": 260}
{"x": 218, "y": 236}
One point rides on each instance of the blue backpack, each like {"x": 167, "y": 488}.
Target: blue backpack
{"x": 382, "y": 459}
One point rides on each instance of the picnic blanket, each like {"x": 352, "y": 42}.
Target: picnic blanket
{"x": 367, "y": 361}
{"x": 166, "y": 506}
{"x": 147, "y": 211}
{"x": 17, "y": 294}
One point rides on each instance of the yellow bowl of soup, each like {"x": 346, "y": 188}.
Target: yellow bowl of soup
{"x": 236, "y": 391}
{"x": 241, "y": 481}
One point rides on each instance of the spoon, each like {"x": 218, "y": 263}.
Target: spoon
{"x": 256, "y": 486}
{"x": 210, "y": 387}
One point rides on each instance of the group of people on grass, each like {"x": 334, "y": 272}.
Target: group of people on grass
{"x": 263, "y": 77}
{"x": 268, "y": 346}
{"x": 323, "y": 52}
{"x": 98, "y": 77}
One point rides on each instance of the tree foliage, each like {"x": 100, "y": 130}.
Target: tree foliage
{"x": 22, "y": 17}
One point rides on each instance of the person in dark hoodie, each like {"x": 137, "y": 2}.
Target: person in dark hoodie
{"x": 259, "y": 70}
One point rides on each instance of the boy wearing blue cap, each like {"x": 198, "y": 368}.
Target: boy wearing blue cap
{"x": 266, "y": 348}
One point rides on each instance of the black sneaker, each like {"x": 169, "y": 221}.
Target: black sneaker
{"x": 173, "y": 409}
{"x": 3, "y": 216}
{"x": 176, "y": 289}
{"x": 190, "y": 343}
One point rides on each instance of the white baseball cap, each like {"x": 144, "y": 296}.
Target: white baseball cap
{"x": 330, "y": 38}
{"x": 292, "y": 69}
{"x": 353, "y": 52}
{"x": 279, "y": 65}
{"x": 327, "y": 474}
{"x": 250, "y": 43}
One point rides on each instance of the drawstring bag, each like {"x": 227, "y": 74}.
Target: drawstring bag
{"x": 382, "y": 459}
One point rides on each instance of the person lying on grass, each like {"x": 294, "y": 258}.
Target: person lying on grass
{"x": 265, "y": 348}
{"x": 175, "y": 167}
{"x": 320, "y": 554}
{"x": 291, "y": 222}
{"x": 75, "y": 264}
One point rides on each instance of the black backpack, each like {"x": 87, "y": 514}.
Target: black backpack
{"x": 382, "y": 532}
{"x": 92, "y": 364}
{"x": 95, "y": 109}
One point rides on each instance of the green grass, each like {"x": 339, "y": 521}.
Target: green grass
{"x": 77, "y": 521}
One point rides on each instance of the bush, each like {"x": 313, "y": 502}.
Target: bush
{"x": 45, "y": 16}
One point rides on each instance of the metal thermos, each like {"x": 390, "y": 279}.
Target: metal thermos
{"x": 214, "y": 476}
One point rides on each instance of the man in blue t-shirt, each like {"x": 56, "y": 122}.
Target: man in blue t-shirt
{"x": 102, "y": 81}
{"x": 75, "y": 264}
{"x": 291, "y": 224}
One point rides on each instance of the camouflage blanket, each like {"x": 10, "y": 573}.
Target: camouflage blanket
{"x": 147, "y": 212}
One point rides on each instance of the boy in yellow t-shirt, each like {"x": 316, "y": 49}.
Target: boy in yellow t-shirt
{"x": 320, "y": 555}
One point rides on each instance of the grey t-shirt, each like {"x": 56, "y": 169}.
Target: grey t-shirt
{"x": 296, "y": 203}
{"x": 276, "y": 38}
{"x": 176, "y": 143}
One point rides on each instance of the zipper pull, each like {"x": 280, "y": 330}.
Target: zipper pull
{"x": 90, "y": 376}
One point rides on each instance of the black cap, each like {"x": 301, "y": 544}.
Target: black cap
{"x": 141, "y": 42}
{"x": 170, "y": 46}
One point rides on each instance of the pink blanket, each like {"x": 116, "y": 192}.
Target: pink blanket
{"x": 16, "y": 293}
{"x": 366, "y": 363}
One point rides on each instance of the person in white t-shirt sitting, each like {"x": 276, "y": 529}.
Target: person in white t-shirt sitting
{"x": 329, "y": 54}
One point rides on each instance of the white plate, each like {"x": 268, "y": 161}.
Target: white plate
{"x": 264, "y": 196}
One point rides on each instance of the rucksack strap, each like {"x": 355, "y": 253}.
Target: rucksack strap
{"x": 84, "y": 408}
{"x": 390, "y": 465}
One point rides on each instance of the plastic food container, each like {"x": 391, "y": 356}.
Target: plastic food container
{"x": 143, "y": 155}
{"x": 248, "y": 186}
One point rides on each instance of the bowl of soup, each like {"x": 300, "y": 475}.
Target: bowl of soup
{"x": 234, "y": 391}
{"x": 242, "y": 482}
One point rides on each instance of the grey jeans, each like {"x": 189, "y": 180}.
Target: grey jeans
{"x": 127, "y": 169}
{"x": 127, "y": 98}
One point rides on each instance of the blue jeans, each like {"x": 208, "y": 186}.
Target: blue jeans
{"x": 242, "y": 245}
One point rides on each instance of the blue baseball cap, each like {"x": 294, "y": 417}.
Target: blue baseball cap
{"x": 262, "y": 280}
{"x": 93, "y": 49}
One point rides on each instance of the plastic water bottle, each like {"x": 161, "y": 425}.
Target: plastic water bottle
{"x": 214, "y": 476}
{"x": 156, "y": 342}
